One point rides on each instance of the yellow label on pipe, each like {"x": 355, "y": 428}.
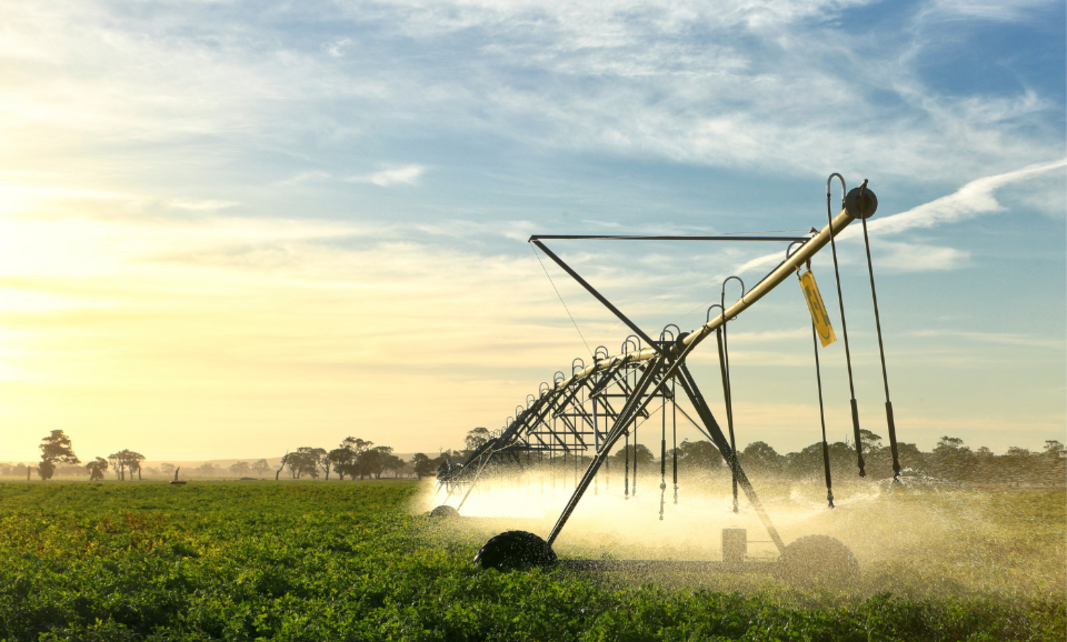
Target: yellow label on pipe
{"x": 818, "y": 310}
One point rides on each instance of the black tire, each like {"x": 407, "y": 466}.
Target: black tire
{"x": 515, "y": 550}
{"x": 817, "y": 560}
{"x": 444, "y": 511}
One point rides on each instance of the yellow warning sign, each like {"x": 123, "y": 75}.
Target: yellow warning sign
{"x": 818, "y": 310}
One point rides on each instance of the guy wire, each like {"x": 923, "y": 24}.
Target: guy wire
{"x": 532, "y": 249}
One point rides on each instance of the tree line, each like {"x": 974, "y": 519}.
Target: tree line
{"x": 57, "y": 455}
{"x": 950, "y": 460}
{"x": 356, "y": 458}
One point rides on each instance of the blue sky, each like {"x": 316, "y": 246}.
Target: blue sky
{"x": 233, "y": 227}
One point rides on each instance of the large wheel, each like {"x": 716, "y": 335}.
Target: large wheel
{"x": 444, "y": 511}
{"x": 515, "y": 550}
{"x": 817, "y": 560}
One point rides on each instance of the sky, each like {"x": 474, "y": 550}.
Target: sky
{"x": 229, "y": 229}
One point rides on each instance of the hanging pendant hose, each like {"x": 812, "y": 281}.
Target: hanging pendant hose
{"x": 864, "y": 206}
{"x": 626, "y": 468}
{"x": 663, "y": 434}
{"x": 822, "y": 412}
{"x": 818, "y": 381}
{"x": 727, "y": 388}
{"x": 634, "y": 493}
{"x": 844, "y": 329}
{"x": 663, "y": 459}
{"x": 725, "y": 372}
{"x": 674, "y": 429}
{"x": 724, "y": 375}
{"x": 596, "y": 427}
{"x": 607, "y": 473}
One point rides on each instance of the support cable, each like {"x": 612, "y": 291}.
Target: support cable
{"x": 844, "y": 329}
{"x": 532, "y": 249}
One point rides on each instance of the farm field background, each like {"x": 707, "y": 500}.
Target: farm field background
{"x": 356, "y": 561}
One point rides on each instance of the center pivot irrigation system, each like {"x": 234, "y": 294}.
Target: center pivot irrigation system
{"x": 586, "y": 414}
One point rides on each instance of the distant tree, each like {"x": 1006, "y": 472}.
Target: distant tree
{"x": 759, "y": 456}
{"x": 358, "y": 446}
{"x": 911, "y": 456}
{"x": 1055, "y": 450}
{"x": 305, "y": 461}
{"x": 120, "y": 471}
{"x": 292, "y": 461}
{"x": 871, "y": 442}
{"x": 340, "y": 459}
{"x": 45, "y": 469}
{"x": 374, "y": 461}
{"x": 133, "y": 462}
{"x": 208, "y": 469}
{"x": 97, "y": 469}
{"x": 125, "y": 460}
{"x": 476, "y": 438}
{"x": 700, "y": 454}
{"x": 394, "y": 463}
{"x": 423, "y": 465}
{"x": 167, "y": 469}
{"x": 55, "y": 448}
{"x": 261, "y": 467}
{"x": 240, "y": 468}
{"x": 805, "y": 464}
{"x": 313, "y": 457}
{"x": 325, "y": 463}
{"x": 640, "y": 451}
{"x": 952, "y": 459}
{"x": 356, "y": 463}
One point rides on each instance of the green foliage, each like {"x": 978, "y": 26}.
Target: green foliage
{"x": 57, "y": 448}
{"x": 315, "y": 561}
{"x": 97, "y": 469}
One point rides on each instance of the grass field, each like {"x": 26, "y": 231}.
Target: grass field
{"x": 351, "y": 561}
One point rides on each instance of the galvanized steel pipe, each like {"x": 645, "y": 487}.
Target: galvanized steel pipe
{"x": 786, "y": 269}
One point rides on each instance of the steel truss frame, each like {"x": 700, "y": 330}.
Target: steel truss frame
{"x": 638, "y": 376}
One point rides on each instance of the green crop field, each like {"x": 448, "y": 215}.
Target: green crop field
{"x": 352, "y": 561}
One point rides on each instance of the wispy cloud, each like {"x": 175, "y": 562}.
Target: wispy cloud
{"x": 920, "y": 257}
{"x": 408, "y": 175}
{"x": 202, "y": 205}
{"x": 700, "y": 83}
{"x": 1001, "y": 338}
{"x": 992, "y": 10}
{"x": 973, "y": 199}
{"x": 336, "y": 49}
